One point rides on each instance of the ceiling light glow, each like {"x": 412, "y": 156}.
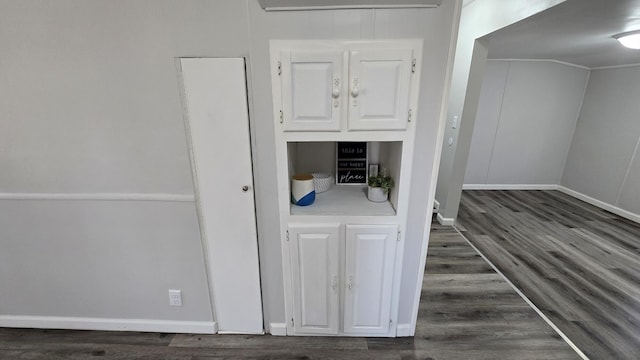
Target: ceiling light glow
{"x": 629, "y": 39}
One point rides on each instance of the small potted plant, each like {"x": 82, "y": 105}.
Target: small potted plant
{"x": 379, "y": 187}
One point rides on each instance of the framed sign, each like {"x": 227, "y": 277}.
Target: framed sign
{"x": 351, "y": 163}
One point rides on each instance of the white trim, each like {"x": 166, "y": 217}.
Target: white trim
{"x": 196, "y": 186}
{"x": 510, "y": 187}
{"x": 278, "y": 329}
{"x": 99, "y": 197}
{"x": 545, "y": 60}
{"x": 455, "y": 26}
{"x": 606, "y": 67}
{"x": 601, "y": 204}
{"x": 104, "y": 324}
{"x": 403, "y": 330}
{"x": 235, "y": 332}
{"x": 436, "y": 206}
{"x": 526, "y": 299}
{"x": 614, "y": 67}
{"x": 347, "y": 7}
{"x": 445, "y": 221}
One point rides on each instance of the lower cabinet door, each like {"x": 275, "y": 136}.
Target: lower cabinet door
{"x": 369, "y": 264}
{"x": 315, "y": 269}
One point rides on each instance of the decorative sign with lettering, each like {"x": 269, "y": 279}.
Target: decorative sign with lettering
{"x": 351, "y": 163}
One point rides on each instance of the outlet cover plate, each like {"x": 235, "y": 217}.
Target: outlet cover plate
{"x": 175, "y": 297}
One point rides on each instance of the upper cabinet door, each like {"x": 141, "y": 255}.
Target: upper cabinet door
{"x": 379, "y": 83}
{"x": 315, "y": 272}
{"x": 370, "y": 255}
{"x": 312, "y": 90}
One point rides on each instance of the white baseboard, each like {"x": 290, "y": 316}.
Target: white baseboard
{"x": 103, "y": 324}
{"x": 436, "y": 206}
{"x": 445, "y": 221}
{"x": 510, "y": 187}
{"x": 278, "y": 329}
{"x": 404, "y": 330}
{"x": 601, "y": 204}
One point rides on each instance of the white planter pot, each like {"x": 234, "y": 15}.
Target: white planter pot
{"x": 376, "y": 194}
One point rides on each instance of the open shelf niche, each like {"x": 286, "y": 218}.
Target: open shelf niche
{"x": 344, "y": 199}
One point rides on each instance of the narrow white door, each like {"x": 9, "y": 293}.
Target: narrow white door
{"x": 216, "y": 98}
{"x": 315, "y": 270}
{"x": 312, "y": 90}
{"x": 370, "y": 254}
{"x": 379, "y": 84}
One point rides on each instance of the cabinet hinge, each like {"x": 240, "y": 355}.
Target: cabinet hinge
{"x": 281, "y": 117}
{"x": 398, "y": 238}
{"x": 413, "y": 66}
{"x": 280, "y": 67}
{"x": 287, "y": 235}
{"x": 409, "y": 116}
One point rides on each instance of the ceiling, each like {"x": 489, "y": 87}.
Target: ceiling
{"x": 576, "y": 31}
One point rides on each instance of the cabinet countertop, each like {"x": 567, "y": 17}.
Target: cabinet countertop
{"x": 345, "y": 200}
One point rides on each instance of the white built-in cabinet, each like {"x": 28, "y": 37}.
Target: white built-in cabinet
{"x": 365, "y": 89}
{"x": 369, "y": 257}
{"x": 312, "y": 101}
{"x": 315, "y": 270}
{"x": 342, "y": 255}
{"x": 364, "y": 282}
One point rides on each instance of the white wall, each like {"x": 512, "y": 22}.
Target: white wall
{"x": 479, "y": 18}
{"x": 525, "y": 122}
{"x": 604, "y": 160}
{"x": 90, "y": 104}
{"x": 101, "y": 259}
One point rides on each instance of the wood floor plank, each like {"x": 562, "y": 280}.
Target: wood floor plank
{"x": 579, "y": 264}
{"x": 268, "y": 342}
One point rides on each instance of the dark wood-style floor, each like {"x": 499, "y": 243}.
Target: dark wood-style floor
{"x": 467, "y": 311}
{"x": 578, "y": 264}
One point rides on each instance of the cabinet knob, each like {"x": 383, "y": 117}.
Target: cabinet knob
{"x": 354, "y": 88}
{"x": 245, "y": 188}
{"x": 336, "y": 88}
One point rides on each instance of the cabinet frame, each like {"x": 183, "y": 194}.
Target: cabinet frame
{"x": 403, "y": 177}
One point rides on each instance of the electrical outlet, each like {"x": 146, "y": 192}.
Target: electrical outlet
{"x": 175, "y": 297}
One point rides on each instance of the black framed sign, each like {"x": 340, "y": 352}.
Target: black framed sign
{"x": 351, "y": 163}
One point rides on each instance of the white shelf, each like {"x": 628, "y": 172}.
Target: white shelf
{"x": 344, "y": 200}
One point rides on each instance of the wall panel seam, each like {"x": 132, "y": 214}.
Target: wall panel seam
{"x": 626, "y": 175}
{"x": 575, "y": 127}
{"x": 495, "y": 134}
